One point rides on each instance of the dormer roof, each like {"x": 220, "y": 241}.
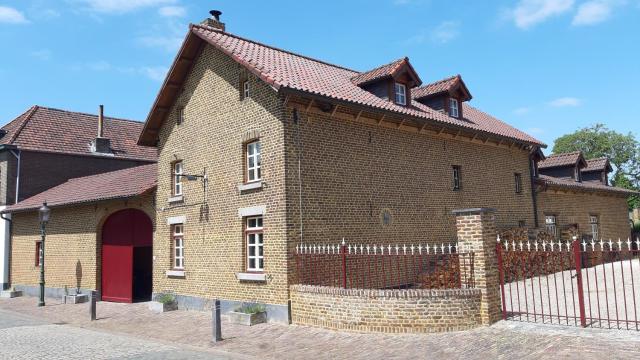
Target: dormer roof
{"x": 450, "y": 86}
{"x": 598, "y": 164}
{"x": 391, "y": 70}
{"x": 564, "y": 159}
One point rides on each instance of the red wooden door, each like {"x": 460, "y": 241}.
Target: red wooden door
{"x": 120, "y": 233}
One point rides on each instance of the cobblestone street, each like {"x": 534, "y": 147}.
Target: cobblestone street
{"x": 60, "y": 331}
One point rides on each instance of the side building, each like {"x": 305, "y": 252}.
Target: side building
{"x": 45, "y": 147}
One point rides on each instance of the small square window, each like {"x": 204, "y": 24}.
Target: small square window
{"x": 245, "y": 89}
{"x": 457, "y": 177}
{"x": 401, "y": 94}
{"x": 453, "y": 108}
{"x": 551, "y": 225}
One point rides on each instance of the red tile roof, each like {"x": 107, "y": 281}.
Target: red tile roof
{"x": 60, "y": 131}
{"x": 285, "y": 70}
{"x": 437, "y": 87}
{"x": 118, "y": 184}
{"x": 551, "y": 181}
{"x": 598, "y": 164}
{"x": 383, "y": 72}
{"x": 564, "y": 159}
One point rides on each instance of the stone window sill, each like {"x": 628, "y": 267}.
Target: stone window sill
{"x": 175, "y": 199}
{"x": 250, "y": 186}
{"x": 251, "y": 276}
{"x": 175, "y": 273}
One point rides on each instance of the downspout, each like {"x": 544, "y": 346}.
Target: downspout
{"x": 534, "y": 195}
{"x": 8, "y": 255}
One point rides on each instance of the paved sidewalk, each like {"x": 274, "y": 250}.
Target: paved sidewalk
{"x": 511, "y": 340}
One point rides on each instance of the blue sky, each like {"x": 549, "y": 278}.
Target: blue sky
{"x": 547, "y": 67}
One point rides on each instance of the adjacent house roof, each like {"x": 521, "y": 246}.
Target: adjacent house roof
{"x": 553, "y": 182}
{"x": 447, "y": 85}
{"x": 385, "y": 71}
{"x": 60, "y": 131}
{"x": 599, "y": 164}
{"x": 564, "y": 159}
{"x": 118, "y": 184}
{"x": 285, "y": 71}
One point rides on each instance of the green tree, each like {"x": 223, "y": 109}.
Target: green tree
{"x": 622, "y": 150}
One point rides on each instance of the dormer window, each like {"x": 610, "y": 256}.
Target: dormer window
{"x": 577, "y": 173}
{"x": 453, "y": 108}
{"x": 401, "y": 94}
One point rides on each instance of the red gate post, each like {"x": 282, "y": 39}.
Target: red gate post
{"x": 577, "y": 258}
{"x": 501, "y": 270}
{"x": 343, "y": 250}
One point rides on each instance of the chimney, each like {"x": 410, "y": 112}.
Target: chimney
{"x": 101, "y": 144}
{"x": 214, "y": 20}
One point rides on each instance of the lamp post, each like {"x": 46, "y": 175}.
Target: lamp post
{"x": 44, "y": 213}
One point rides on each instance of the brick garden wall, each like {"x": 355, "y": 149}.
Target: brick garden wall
{"x": 72, "y": 255}
{"x": 389, "y": 311}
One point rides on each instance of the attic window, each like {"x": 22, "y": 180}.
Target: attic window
{"x": 401, "y": 94}
{"x": 453, "y": 108}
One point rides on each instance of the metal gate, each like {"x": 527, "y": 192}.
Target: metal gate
{"x": 588, "y": 283}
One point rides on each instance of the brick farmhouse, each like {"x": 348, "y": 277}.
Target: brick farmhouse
{"x": 261, "y": 150}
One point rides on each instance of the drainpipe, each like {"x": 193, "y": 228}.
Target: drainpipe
{"x": 8, "y": 254}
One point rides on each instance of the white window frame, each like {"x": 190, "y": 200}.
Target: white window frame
{"x": 245, "y": 89}
{"x": 180, "y": 115}
{"x": 177, "y": 169}
{"x": 454, "y": 109}
{"x": 254, "y": 237}
{"x": 253, "y": 152}
{"x": 457, "y": 179}
{"x": 400, "y": 91}
{"x": 594, "y": 222}
{"x": 177, "y": 236}
{"x": 551, "y": 224}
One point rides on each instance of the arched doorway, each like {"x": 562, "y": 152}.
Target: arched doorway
{"x": 127, "y": 256}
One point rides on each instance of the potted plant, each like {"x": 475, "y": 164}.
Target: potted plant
{"x": 10, "y": 293}
{"x": 248, "y": 314}
{"x": 164, "y": 302}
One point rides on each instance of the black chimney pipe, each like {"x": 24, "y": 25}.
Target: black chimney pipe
{"x": 216, "y": 14}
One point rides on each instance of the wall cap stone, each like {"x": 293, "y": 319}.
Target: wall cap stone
{"x": 388, "y": 293}
{"x": 471, "y": 211}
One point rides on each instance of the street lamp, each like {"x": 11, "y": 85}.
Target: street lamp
{"x": 44, "y": 213}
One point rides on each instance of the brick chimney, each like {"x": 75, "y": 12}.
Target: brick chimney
{"x": 214, "y": 20}
{"x": 101, "y": 144}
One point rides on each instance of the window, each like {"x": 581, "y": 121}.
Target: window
{"x": 177, "y": 178}
{"x": 38, "y": 261}
{"x": 180, "y": 116}
{"x": 245, "y": 89}
{"x": 453, "y": 108}
{"x": 551, "y": 225}
{"x": 401, "y": 94}
{"x": 576, "y": 171}
{"x": 457, "y": 180}
{"x": 518, "y": 180}
{"x": 522, "y": 223}
{"x": 593, "y": 221}
{"x": 253, "y": 161}
{"x": 255, "y": 242}
{"x": 178, "y": 246}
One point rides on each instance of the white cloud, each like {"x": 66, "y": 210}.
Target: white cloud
{"x": 445, "y": 32}
{"x": 565, "y": 101}
{"x": 593, "y": 12}
{"x": 172, "y": 11}
{"x": 121, "y": 6}
{"x": 42, "y": 54}
{"x": 9, "y": 15}
{"x": 522, "y": 110}
{"x": 531, "y": 12}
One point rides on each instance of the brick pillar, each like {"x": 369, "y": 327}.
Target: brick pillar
{"x": 476, "y": 230}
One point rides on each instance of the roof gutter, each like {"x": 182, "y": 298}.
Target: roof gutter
{"x": 291, "y": 91}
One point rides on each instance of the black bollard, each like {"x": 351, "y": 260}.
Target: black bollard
{"x": 92, "y": 304}
{"x": 215, "y": 314}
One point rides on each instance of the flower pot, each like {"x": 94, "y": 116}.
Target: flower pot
{"x": 158, "y": 307}
{"x": 76, "y": 298}
{"x": 247, "y": 319}
{"x": 8, "y": 294}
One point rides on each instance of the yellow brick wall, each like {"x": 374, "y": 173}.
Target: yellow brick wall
{"x": 210, "y": 139}
{"x": 72, "y": 257}
{"x": 575, "y": 208}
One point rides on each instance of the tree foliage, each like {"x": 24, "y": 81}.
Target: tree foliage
{"x": 623, "y": 150}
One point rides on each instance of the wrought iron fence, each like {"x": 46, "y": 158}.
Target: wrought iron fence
{"x": 583, "y": 283}
{"x": 367, "y": 266}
